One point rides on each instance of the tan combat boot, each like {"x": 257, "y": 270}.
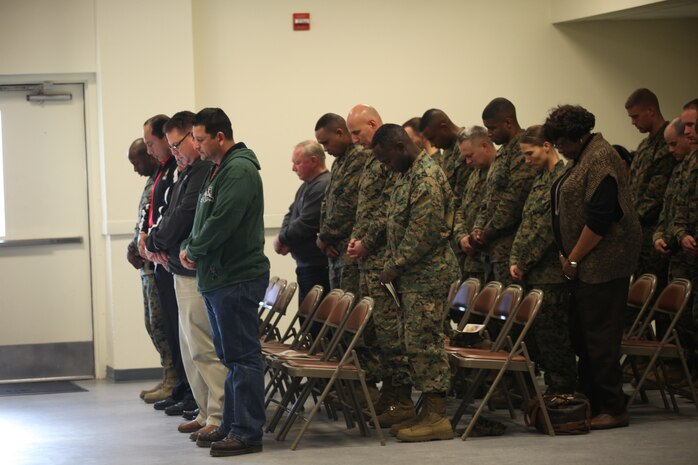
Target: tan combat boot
{"x": 386, "y": 397}
{"x": 165, "y": 390}
{"x": 400, "y": 410}
{"x": 433, "y": 424}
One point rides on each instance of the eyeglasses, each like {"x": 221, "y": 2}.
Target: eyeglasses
{"x": 174, "y": 147}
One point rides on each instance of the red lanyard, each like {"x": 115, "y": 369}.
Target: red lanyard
{"x": 152, "y": 198}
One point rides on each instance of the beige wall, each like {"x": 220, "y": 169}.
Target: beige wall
{"x": 138, "y": 58}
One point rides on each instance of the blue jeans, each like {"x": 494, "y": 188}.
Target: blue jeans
{"x": 232, "y": 311}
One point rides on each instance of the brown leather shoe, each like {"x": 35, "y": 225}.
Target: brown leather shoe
{"x": 608, "y": 421}
{"x": 233, "y": 446}
{"x": 189, "y": 426}
{"x": 206, "y": 439}
{"x": 205, "y": 430}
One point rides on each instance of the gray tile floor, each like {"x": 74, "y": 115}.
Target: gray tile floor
{"x": 109, "y": 424}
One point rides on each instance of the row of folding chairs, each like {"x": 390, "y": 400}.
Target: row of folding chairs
{"x": 641, "y": 341}
{"x": 514, "y": 314}
{"x": 301, "y": 363}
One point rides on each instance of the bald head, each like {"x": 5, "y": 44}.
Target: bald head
{"x": 363, "y": 121}
{"x": 678, "y": 143}
{"x": 143, "y": 164}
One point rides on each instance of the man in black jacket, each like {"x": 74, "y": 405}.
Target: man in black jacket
{"x": 205, "y": 372}
{"x": 302, "y": 222}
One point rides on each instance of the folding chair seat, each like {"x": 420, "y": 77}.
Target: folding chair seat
{"x": 333, "y": 312}
{"x": 275, "y": 352}
{"x": 268, "y": 328}
{"x": 341, "y": 369}
{"x": 672, "y": 302}
{"x": 504, "y": 356}
{"x": 480, "y": 308}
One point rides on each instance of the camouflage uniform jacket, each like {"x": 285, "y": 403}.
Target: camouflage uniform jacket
{"x": 686, "y": 203}
{"x": 534, "y": 249}
{"x": 455, "y": 169}
{"x": 473, "y": 195}
{"x": 649, "y": 175}
{"x": 146, "y": 196}
{"x": 666, "y": 216}
{"x": 508, "y": 182}
{"x": 375, "y": 186}
{"x": 338, "y": 210}
{"x": 420, "y": 221}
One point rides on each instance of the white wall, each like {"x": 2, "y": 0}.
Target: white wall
{"x": 139, "y": 58}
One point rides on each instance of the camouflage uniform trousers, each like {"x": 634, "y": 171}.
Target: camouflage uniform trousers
{"x": 423, "y": 338}
{"x": 154, "y": 324}
{"x": 551, "y": 345}
{"x": 344, "y": 275}
{"x": 687, "y": 326}
{"x": 383, "y": 356}
{"x": 650, "y": 261}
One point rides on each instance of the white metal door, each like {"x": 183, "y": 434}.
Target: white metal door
{"x": 45, "y": 281}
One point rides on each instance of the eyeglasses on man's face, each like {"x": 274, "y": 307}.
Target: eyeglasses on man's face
{"x": 174, "y": 147}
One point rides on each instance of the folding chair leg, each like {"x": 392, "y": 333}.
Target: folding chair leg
{"x": 665, "y": 383}
{"x": 293, "y": 413}
{"x": 305, "y": 426}
{"x": 467, "y": 397}
{"x": 484, "y": 402}
{"x": 636, "y": 376}
{"x": 374, "y": 417}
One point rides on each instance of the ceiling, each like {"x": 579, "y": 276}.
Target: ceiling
{"x": 671, "y": 9}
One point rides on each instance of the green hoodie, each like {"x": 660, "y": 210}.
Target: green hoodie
{"x": 227, "y": 238}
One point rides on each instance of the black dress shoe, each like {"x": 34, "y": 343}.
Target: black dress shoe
{"x": 233, "y": 446}
{"x": 190, "y": 414}
{"x": 206, "y": 439}
{"x": 163, "y": 404}
{"x": 180, "y": 407}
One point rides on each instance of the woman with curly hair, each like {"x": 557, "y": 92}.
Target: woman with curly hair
{"x": 598, "y": 234}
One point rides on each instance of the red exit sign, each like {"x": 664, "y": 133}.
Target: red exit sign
{"x": 301, "y": 21}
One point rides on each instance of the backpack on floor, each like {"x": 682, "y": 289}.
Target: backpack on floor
{"x": 569, "y": 414}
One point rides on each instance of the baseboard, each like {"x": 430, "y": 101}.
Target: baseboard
{"x": 61, "y": 360}
{"x": 133, "y": 374}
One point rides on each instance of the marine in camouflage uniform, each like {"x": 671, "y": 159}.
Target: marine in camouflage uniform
{"x": 338, "y": 213}
{"x": 536, "y": 255}
{"x": 509, "y": 180}
{"x": 649, "y": 175}
{"x": 375, "y": 187}
{"x": 473, "y": 196}
{"x": 685, "y": 223}
{"x": 456, "y": 170}
{"x": 154, "y": 324}
{"x": 679, "y": 266}
{"x": 420, "y": 220}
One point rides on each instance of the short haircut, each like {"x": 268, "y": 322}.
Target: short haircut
{"x": 642, "y": 97}
{"x": 331, "y": 121}
{"x": 534, "y": 135}
{"x": 389, "y": 135}
{"x": 429, "y": 117}
{"x": 498, "y": 109}
{"x": 692, "y": 104}
{"x": 678, "y": 125}
{"x": 181, "y": 121}
{"x": 214, "y": 120}
{"x": 570, "y": 122}
{"x": 310, "y": 148}
{"x": 413, "y": 123}
{"x": 157, "y": 123}
{"x": 138, "y": 148}
{"x": 472, "y": 133}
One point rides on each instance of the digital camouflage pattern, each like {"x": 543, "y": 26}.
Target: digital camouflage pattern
{"x": 375, "y": 187}
{"x": 552, "y": 347}
{"x": 650, "y": 171}
{"x": 454, "y": 167}
{"x": 473, "y": 196}
{"x": 423, "y": 337}
{"x": 420, "y": 222}
{"x": 534, "y": 250}
{"x": 338, "y": 212}
{"x": 154, "y": 324}
{"x": 508, "y": 182}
